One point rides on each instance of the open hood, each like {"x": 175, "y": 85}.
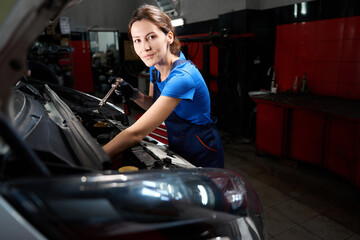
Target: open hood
{"x": 21, "y": 22}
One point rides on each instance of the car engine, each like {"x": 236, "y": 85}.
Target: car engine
{"x": 51, "y": 136}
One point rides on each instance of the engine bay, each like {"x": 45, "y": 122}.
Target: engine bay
{"x": 47, "y": 132}
{"x": 104, "y": 124}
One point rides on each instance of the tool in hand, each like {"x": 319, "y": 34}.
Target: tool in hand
{"x": 113, "y": 87}
{"x": 128, "y": 90}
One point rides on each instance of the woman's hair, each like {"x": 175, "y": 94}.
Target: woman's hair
{"x": 157, "y": 17}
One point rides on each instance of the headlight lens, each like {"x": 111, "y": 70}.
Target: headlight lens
{"x": 209, "y": 197}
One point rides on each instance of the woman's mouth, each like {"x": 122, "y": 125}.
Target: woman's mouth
{"x": 148, "y": 56}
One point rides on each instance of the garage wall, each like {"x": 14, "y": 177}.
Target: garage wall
{"x": 116, "y": 13}
{"x": 326, "y": 50}
{"x": 101, "y": 14}
{"x": 266, "y": 4}
{"x": 202, "y": 10}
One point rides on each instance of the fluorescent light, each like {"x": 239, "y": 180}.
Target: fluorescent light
{"x": 177, "y": 22}
{"x": 304, "y": 8}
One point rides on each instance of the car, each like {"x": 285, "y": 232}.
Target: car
{"x": 56, "y": 182}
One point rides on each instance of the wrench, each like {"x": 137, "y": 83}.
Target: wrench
{"x": 113, "y": 87}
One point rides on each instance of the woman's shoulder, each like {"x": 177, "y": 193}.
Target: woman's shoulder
{"x": 187, "y": 74}
{"x": 185, "y": 65}
{"x": 183, "y": 69}
{"x": 189, "y": 69}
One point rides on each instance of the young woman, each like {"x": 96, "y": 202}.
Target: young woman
{"x": 178, "y": 94}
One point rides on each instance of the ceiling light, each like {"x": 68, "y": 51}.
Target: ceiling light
{"x": 177, "y": 22}
{"x": 304, "y": 8}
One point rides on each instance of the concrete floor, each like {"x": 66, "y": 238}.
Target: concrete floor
{"x": 300, "y": 202}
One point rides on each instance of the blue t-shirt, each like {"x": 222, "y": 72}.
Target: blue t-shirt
{"x": 186, "y": 82}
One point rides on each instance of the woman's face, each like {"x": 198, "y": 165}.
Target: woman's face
{"x": 150, "y": 43}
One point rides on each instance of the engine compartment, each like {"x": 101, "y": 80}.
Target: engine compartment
{"x": 47, "y": 135}
{"x": 104, "y": 124}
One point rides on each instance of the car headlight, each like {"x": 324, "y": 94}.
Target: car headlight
{"x": 205, "y": 202}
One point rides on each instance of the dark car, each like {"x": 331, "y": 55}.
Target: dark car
{"x": 56, "y": 182}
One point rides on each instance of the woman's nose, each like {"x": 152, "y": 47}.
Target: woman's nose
{"x": 146, "y": 45}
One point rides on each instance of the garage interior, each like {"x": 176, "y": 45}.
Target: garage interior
{"x": 284, "y": 81}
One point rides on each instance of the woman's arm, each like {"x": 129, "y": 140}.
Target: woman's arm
{"x": 144, "y": 101}
{"x": 150, "y": 120}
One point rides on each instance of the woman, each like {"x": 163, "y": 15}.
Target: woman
{"x": 178, "y": 94}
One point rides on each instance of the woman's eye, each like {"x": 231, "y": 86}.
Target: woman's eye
{"x": 151, "y": 37}
{"x": 136, "y": 40}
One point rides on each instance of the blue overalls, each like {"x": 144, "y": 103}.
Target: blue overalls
{"x": 201, "y": 145}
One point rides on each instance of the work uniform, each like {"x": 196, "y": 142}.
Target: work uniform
{"x": 191, "y": 131}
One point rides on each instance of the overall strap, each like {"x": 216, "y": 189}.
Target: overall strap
{"x": 154, "y": 72}
{"x": 177, "y": 62}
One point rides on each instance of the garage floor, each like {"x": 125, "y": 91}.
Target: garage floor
{"x": 300, "y": 202}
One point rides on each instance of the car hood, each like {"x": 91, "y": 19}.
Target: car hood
{"x": 21, "y": 22}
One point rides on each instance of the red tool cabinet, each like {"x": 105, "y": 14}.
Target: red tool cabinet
{"x": 307, "y": 136}
{"x": 342, "y": 155}
{"x": 82, "y": 70}
{"x": 320, "y": 130}
{"x": 270, "y": 128}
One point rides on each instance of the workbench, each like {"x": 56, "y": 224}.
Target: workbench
{"x": 321, "y": 130}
